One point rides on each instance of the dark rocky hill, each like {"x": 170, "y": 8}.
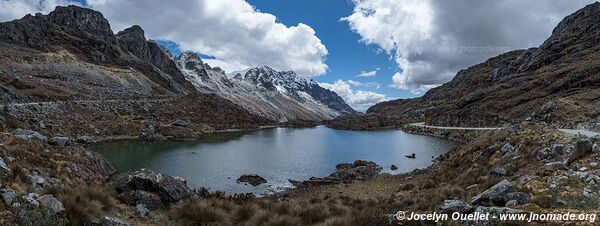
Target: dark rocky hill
{"x": 72, "y": 53}
{"x": 558, "y": 83}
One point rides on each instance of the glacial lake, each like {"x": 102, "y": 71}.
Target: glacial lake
{"x": 278, "y": 154}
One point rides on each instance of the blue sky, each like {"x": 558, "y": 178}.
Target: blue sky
{"x": 347, "y": 57}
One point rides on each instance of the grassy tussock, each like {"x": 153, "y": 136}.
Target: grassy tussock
{"x": 263, "y": 212}
{"x": 84, "y": 203}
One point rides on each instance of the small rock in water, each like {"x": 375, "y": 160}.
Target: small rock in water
{"x": 251, "y": 179}
{"x": 393, "y": 167}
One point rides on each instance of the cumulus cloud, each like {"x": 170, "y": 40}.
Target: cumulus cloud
{"x": 14, "y": 9}
{"x": 431, "y": 40}
{"x": 236, "y": 34}
{"x": 357, "y": 99}
{"x": 367, "y": 74}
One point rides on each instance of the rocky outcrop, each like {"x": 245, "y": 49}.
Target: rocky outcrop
{"x": 251, "y": 179}
{"x": 143, "y": 186}
{"x": 346, "y": 173}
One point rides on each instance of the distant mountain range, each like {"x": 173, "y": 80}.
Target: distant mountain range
{"x": 72, "y": 54}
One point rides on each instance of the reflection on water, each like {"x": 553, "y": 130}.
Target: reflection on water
{"x": 277, "y": 154}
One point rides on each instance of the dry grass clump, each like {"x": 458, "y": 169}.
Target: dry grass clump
{"x": 314, "y": 211}
{"x": 86, "y": 202}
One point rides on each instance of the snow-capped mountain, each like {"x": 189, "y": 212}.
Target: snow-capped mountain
{"x": 278, "y": 95}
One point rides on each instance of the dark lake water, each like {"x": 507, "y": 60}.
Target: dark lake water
{"x": 278, "y": 154}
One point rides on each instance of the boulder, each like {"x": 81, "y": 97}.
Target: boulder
{"x": 141, "y": 210}
{"x": 502, "y": 171}
{"x": 452, "y": 206}
{"x": 582, "y": 148}
{"x": 558, "y": 149}
{"x": 150, "y": 132}
{"x": 8, "y": 196}
{"x": 59, "y": 141}
{"x": 31, "y": 198}
{"x": 507, "y": 149}
{"x": 29, "y": 135}
{"x": 544, "y": 153}
{"x": 3, "y": 167}
{"x": 84, "y": 139}
{"x": 555, "y": 166}
{"x": 180, "y": 123}
{"x": 170, "y": 189}
{"x": 251, "y": 179}
{"x": 138, "y": 197}
{"x": 548, "y": 107}
{"x": 393, "y": 167}
{"x": 494, "y": 196}
{"x": 52, "y": 203}
{"x": 519, "y": 197}
{"x": 489, "y": 151}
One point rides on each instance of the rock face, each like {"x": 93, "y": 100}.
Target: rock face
{"x": 360, "y": 170}
{"x": 251, "y": 179}
{"x": 74, "y": 51}
{"x": 168, "y": 188}
{"x": 541, "y": 84}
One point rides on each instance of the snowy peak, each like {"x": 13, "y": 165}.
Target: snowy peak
{"x": 289, "y": 83}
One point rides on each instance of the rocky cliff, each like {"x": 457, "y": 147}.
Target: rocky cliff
{"x": 73, "y": 47}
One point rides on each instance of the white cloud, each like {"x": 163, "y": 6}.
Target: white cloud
{"x": 431, "y": 40}
{"x": 367, "y": 74}
{"x": 368, "y": 84}
{"x": 15, "y": 9}
{"x": 232, "y": 31}
{"x": 357, "y": 99}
